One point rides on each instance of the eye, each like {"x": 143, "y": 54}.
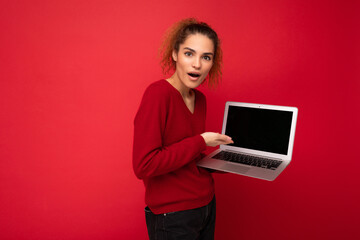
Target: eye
{"x": 207, "y": 58}
{"x": 188, "y": 54}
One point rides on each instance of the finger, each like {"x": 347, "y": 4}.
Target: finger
{"x": 226, "y": 141}
{"x": 223, "y": 137}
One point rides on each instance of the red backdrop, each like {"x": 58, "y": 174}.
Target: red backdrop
{"x": 72, "y": 74}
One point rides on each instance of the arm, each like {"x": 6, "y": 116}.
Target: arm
{"x": 150, "y": 157}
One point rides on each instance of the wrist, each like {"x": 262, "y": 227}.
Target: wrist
{"x": 203, "y": 140}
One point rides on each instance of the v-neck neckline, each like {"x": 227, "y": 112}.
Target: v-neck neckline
{"x": 184, "y": 104}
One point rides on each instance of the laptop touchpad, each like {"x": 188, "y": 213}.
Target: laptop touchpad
{"x": 235, "y": 168}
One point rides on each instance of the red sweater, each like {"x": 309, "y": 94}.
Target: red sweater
{"x": 167, "y": 144}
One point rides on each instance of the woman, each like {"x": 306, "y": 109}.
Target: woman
{"x": 169, "y": 136}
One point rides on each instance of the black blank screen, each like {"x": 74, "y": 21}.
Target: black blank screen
{"x": 259, "y": 129}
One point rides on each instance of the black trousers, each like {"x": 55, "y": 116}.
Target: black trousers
{"x": 194, "y": 224}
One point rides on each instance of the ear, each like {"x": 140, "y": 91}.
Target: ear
{"x": 174, "y": 55}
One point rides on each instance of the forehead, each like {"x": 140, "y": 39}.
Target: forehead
{"x": 198, "y": 42}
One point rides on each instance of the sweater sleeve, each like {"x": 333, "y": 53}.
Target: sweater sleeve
{"x": 150, "y": 156}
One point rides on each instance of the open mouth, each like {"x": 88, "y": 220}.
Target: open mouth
{"x": 195, "y": 75}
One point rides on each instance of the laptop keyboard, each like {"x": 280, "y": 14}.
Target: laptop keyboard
{"x": 248, "y": 160}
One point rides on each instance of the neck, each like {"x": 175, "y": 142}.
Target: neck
{"x": 176, "y": 83}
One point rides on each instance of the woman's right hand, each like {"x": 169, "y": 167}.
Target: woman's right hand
{"x": 213, "y": 139}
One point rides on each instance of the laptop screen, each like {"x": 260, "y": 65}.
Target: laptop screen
{"x": 259, "y": 129}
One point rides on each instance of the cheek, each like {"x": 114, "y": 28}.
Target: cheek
{"x": 186, "y": 61}
{"x": 209, "y": 66}
{"x": 183, "y": 63}
{"x": 180, "y": 61}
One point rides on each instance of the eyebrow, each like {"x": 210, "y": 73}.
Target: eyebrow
{"x": 192, "y": 50}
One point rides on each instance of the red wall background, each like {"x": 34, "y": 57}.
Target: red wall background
{"x": 72, "y": 74}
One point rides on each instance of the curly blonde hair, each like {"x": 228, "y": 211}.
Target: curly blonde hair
{"x": 177, "y": 35}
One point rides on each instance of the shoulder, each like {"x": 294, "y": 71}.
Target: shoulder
{"x": 154, "y": 100}
{"x": 157, "y": 95}
{"x": 200, "y": 96}
{"x": 160, "y": 86}
{"x": 158, "y": 90}
{"x": 199, "y": 93}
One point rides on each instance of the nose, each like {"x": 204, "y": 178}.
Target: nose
{"x": 197, "y": 63}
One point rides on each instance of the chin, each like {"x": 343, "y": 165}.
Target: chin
{"x": 194, "y": 84}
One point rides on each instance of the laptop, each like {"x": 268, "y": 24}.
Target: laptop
{"x": 263, "y": 138}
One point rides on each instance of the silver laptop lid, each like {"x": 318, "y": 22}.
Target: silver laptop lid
{"x": 260, "y": 129}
